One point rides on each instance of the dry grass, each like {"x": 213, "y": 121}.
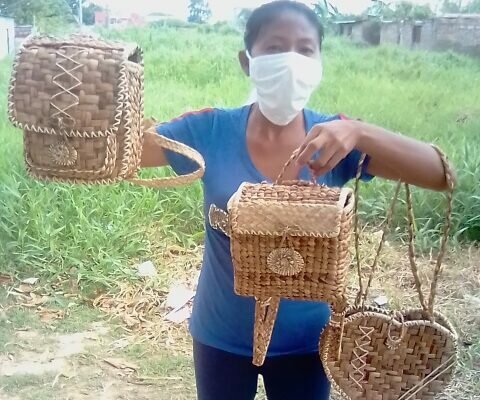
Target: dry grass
{"x": 458, "y": 297}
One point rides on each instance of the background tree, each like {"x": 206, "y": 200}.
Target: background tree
{"x": 47, "y": 15}
{"x": 199, "y": 11}
{"x": 452, "y": 6}
{"x": 403, "y": 10}
{"x": 325, "y": 10}
{"x": 472, "y": 7}
{"x": 243, "y": 16}
{"x": 88, "y": 8}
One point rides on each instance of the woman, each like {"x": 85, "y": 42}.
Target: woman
{"x": 282, "y": 58}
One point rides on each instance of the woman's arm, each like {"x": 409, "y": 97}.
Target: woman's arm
{"x": 397, "y": 157}
{"x": 392, "y": 156}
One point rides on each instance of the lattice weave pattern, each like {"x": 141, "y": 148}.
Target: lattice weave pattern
{"x": 321, "y": 255}
{"x": 80, "y": 104}
{"x": 418, "y": 368}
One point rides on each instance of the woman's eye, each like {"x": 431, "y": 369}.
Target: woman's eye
{"x": 307, "y": 51}
{"x": 274, "y": 49}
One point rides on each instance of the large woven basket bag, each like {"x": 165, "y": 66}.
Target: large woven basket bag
{"x": 79, "y": 102}
{"x": 288, "y": 240}
{"x": 372, "y": 353}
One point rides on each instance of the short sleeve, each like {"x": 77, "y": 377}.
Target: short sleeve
{"x": 192, "y": 129}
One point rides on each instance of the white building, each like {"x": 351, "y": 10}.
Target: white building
{"x": 7, "y": 36}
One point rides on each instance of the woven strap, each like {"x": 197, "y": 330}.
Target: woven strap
{"x": 184, "y": 150}
{"x": 266, "y": 311}
{"x": 280, "y": 177}
{"x": 449, "y": 176}
{"x": 363, "y": 291}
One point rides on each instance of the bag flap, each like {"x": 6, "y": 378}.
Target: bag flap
{"x": 266, "y": 209}
{"x": 74, "y": 87}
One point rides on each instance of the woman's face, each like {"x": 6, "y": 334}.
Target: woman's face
{"x": 289, "y": 32}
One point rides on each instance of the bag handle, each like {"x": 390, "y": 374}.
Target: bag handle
{"x": 363, "y": 292}
{"x": 449, "y": 176}
{"x": 289, "y": 162}
{"x": 180, "y": 148}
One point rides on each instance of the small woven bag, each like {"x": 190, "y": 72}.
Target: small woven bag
{"x": 288, "y": 240}
{"x": 79, "y": 102}
{"x": 371, "y": 353}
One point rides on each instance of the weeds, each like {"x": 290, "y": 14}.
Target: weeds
{"x": 95, "y": 233}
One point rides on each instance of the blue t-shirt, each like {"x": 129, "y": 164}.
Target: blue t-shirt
{"x": 220, "y": 318}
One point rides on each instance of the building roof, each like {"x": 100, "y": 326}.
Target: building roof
{"x": 460, "y": 16}
{"x": 353, "y": 21}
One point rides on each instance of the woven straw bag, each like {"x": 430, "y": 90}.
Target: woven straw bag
{"x": 371, "y": 353}
{"x": 288, "y": 240}
{"x": 79, "y": 102}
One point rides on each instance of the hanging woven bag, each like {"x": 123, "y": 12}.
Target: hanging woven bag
{"x": 371, "y": 353}
{"x": 289, "y": 239}
{"x": 79, "y": 102}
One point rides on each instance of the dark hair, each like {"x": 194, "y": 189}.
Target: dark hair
{"x": 267, "y": 13}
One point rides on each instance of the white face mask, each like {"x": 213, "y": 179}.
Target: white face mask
{"x": 284, "y": 83}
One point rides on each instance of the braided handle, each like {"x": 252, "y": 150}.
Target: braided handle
{"x": 449, "y": 176}
{"x": 292, "y": 158}
{"x": 184, "y": 150}
{"x": 363, "y": 291}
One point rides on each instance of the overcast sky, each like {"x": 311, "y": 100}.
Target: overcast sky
{"x": 223, "y": 9}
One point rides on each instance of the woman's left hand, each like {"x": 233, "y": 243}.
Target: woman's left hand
{"x": 334, "y": 139}
{"x": 391, "y": 156}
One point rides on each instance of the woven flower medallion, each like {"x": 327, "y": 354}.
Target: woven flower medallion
{"x": 285, "y": 261}
{"x": 63, "y": 155}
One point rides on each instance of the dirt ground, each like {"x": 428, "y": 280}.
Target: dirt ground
{"x": 60, "y": 345}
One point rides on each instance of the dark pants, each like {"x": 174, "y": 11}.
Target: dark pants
{"x": 226, "y": 376}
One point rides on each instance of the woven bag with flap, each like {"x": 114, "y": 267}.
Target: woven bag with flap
{"x": 375, "y": 354}
{"x": 79, "y": 102}
{"x": 288, "y": 240}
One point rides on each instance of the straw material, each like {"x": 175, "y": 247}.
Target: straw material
{"x": 291, "y": 241}
{"x": 370, "y": 353}
{"x": 79, "y": 102}
{"x": 376, "y": 356}
{"x": 288, "y": 240}
{"x": 265, "y": 314}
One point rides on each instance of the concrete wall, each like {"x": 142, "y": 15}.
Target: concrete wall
{"x": 400, "y": 33}
{"x": 364, "y": 32}
{"x": 7, "y": 36}
{"x": 357, "y": 33}
{"x": 390, "y": 33}
{"x": 461, "y": 34}
{"x": 427, "y": 36}
{"x": 406, "y": 34}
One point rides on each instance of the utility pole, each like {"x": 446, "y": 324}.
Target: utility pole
{"x": 80, "y": 12}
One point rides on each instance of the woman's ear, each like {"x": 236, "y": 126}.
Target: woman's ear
{"x": 244, "y": 62}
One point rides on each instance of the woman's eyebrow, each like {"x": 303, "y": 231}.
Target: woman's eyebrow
{"x": 276, "y": 37}
{"x": 308, "y": 40}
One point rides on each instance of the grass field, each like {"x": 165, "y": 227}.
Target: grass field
{"x": 93, "y": 235}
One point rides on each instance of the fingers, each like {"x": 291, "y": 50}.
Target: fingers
{"x": 320, "y": 169}
{"x": 310, "y": 146}
{"x": 326, "y": 154}
{"x": 331, "y": 143}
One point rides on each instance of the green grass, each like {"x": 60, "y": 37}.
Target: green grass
{"x": 95, "y": 234}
